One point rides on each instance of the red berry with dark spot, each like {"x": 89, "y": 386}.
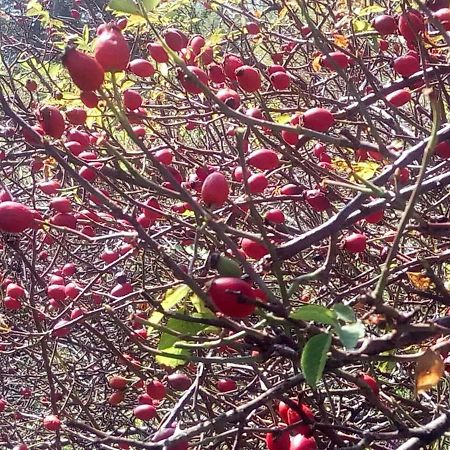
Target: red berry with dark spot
{"x": 232, "y": 297}
{"x": 216, "y": 73}
{"x": 156, "y": 389}
{"x": 52, "y": 121}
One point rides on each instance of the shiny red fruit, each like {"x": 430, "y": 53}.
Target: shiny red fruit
{"x": 280, "y": 80}
{"x": 226, "y": 385}
{"x": 318, "y": 119}
{"x": 300, "y": 442}
{"x": 15, "y": 217}
{"x": 232, "y": 297}
{"x": 215, "y": 189}
{"x": 399, "y": 98}
{"x": 406, "y": 65}
{"x": 230, "y": 64}
{"x": 52, "y": 422}
{"x": 84, "y": 70}
{"x": 248, "y": 78}
{"x": 411, "y": 24}
{"x": 334, "y": 59}
{"x": 264, "y": 159}
{"x": 371, "y": 382}
{"x": 52, "y": 121}
{"x": 254, "y": 249}
{"x": 111, "y": 49}
{"x": 189, "y": 85}
{"x": 229, "y": 97}
{"x": 257, "y": 183}
{"x": 141, "y": 68}
{"x": 145, "y": 412}
{"x": 385, "y": 24}
{"x": 317, "y": 200}
{"x": 355, "y": 243}
{"x": 278, "y": 440}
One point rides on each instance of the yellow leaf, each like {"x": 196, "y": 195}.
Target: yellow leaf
{"x": 282, "y": 13}
{"x": 340, "y": 40}
{"x": 316, "y": 64}
{"x": 428, "y": 371}
{"x": 419, "y": 281}
{"x": 365, "y": 169}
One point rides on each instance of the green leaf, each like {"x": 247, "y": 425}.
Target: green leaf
{"x": 150, "y": 5}
{"x": 168, "y": 341}
{"x": 316, "y": 313}
{"x": 132, "y": 6}
{"x": 125, "y": 6}
{"x": 314, "y": 358}
{"x": 360, "y": 25}
{"x": 344, "y": 312}
{"x": 172, "y": 297}
{"x": 350, "y": 334}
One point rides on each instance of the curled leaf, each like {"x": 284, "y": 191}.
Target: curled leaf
{"x": 428, "y": 371}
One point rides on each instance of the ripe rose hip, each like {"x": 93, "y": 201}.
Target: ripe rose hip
{"x": 111, "y": 50}
{"x": 443, "y": 149}
{"x": 229, "y": 97}
{"x": 257, "y": 183}
{"x": 116, "y": 398}
{"x": 215, "y": 189}
{"x": 264, "y": 159}
{"x": 174, "y": 39}
{"x": 300, "y": 442}
{"x": 278, "y": 440}
{"x": 189, "y": 85}
{"x": 145, "y": 412}
{"x": 334, "y": 59}
{"x": 141, "y": 68}
{"x": 254, "y": 249}
{"x": 318, "y": 119}
{"x": 179, "y": 381}
{"x": 373, "y": 385}
{"x": 385, "y": 24}
{"x": 157, "y": 52}
{"x": 226, "y": 385}
{"x": 406, "y": 65}
{"x": 399, "y": 98}
{"x": 132, "y": 99}
{"x": 216, "y": 73}
{"x": 230, "y": 64}
{"x": 52, "y": 121}
{"x": 76, "y": 116}
{"x": 84, "y": 70}
{"x": 280, "y": 80}
{"x": 252, "y": 28}
{"x": 156, "y": 389}
{"x": 248, "y": 78}
{"x": 52, "y": 422}
{"x": 411, "y": 24}
{"x": 355, "y": 243}
{"x": 229, "y": 295}
{"x": 117, "y": 382}
{"x": 275, "y": 216}
{"x": 317, "y": 200}
{"x": 15, "y": 217}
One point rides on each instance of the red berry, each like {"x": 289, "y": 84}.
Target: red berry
{"x": 317, "y": 200}
{"x": 300, "y": 442}
{"x": 141, "y": 68}
{"x": 254, "y": 249}
{"x": 443, "y": 149}
{"x": 411, "y": 24}
{"x": 145, "y": 412}
{"x": 157, "y": 52}
{"x": 15, "y": 290}
{"x": 257, "y": 183}
{"x": 31, "y": 85}
{"x": 111, "y": 50}
{"x": 116, "y": 398}
{"x": 230, "y": 296}
{"x": 156, "y": 389}
{"x": 52, "y": 422}
{"x": 84, "y": 70}
{"x": 355, "y": 243}
{"x": 399, "y": 98}
{"x": 280, "y": 80}
{"x": 121, "y": 290}
{"x": 56, "y": 292}
{"x": 230, "y": 64}
{"x": 15, "y": 217}
{"x": 252, "y": 28}
{"x": 122, "y": 23}
{"x": 264, "y": 159}
{"x": 117, "y": 382}
{"x": 215, "y": 189}
{"x": 375, "y": 217}
{"x": 61, "y": 204}
{"x": 373, "y": 385}
{"x": 64, "y": 220}
{"x": 406, "y": 65}
{"x": 76, "y": 116}
{"x": 385, "y": 24}
{"x": 226, "y": 385}
{"x": 248, "y": 78}
{"x": 11, "y": 303}
{"x": 334, "y": 59}
{"x": 52, "y": 121}
{"x": 216, "y": 73}
{"x": 189, "y": 85}
{"x": 179, "y": 381}
{"x": 229, "y": 97}
{"x": 278, "y": 440}
{"x": 132, "y": 99}
{"x": 318, "y": 119}
{"x": 89, "y": 99}
{"x": 275, "y": 216}
{"x": 174, "y": 39}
